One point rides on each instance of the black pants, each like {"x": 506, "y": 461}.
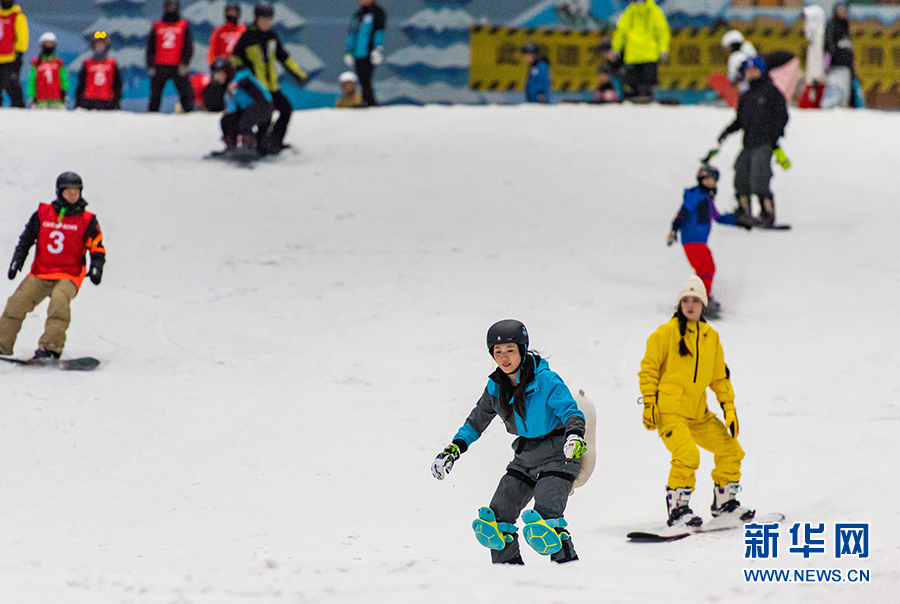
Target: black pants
{"x": 164, "y": 73}
{"x": 214, "y": 97}
{"x": 279, "y": 128}
{"x": 9, "y": 81}
{"x": 753, "y": 172}
{"x": 102, "y": 104}
{"x": 365, "y": 71}
{"x": 256, "y": 116}
{"x": 639, "y": 80}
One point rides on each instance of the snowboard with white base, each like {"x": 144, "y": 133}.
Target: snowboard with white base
{"x": 718, "y": 523}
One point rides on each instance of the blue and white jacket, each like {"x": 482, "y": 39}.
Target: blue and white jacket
{"x": 249, "y": 91}
{"x": 549, "y": 407}
{"x": 366, "y": 31}
{"x": 695, "y": 217}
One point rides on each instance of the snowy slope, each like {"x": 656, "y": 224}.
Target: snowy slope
{"x": 286, "y": 349}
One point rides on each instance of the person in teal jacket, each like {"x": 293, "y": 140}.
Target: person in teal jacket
{"x": 641, "y": 40}
{"x": 365, "y": 46}
{"x": 536, "y": 406}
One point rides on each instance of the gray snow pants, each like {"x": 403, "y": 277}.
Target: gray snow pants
{"x": 753, "y": 171}
{"x": 541, "y": 471}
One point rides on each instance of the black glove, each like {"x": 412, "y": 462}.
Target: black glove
{"x": 14, "y": 267}
{"x": 721, "y": 138}
{"x": 96, "y": 273}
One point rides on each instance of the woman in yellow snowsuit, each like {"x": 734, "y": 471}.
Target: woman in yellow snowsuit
{"x": 684, "y": 357}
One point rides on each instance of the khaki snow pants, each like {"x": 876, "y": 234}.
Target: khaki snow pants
{"x": 29, "y": 294}
{"x": 681, "y": 438}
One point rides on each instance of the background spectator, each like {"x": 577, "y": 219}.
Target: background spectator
{"x": 350, "y": 97}
{"x": 365, "y": 46}
{"x": 169, "y": 51}
{"x": 537, "y": 87}
{"x": 48, "y": 81}
{"x": 839, "y": 91}
{"x": 13, "y": 43}
{"x": 642, "y": 39}
{"x": 100, "y": 81}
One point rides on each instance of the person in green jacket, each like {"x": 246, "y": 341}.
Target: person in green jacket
{"x": 641, "y": 40}
{"x": 48, "y": 81}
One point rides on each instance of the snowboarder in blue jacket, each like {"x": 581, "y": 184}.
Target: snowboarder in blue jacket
{"x": 536, "y": 406}
{"x": 694, "y": 221}
{"x": 248, "y": 108}
{"x": 537, "y": 87}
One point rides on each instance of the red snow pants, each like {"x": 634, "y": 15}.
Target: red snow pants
{"x": 701, "y": 259}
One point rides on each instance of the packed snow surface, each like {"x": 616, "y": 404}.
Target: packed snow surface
{"x": 285, "y": 350}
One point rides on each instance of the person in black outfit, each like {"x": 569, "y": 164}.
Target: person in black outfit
{"x": 170, "y": 47}
{"x": 839, "y": 45}
{"x": 762, "y": 115}
{"x": 258, "y": 49}
{"x": 365, "y": 46}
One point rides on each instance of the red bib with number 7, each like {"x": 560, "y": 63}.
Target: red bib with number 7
{"x": 60, "y": 250}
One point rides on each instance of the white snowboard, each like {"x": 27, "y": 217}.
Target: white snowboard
{"x": 589, "y": 459}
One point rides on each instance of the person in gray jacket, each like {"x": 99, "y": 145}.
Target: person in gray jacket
{"x": 536, "y": 406}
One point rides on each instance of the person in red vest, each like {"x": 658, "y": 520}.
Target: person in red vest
{"x": 221, "y": 44}
{"x": 48, "y": 80}
{"x": 13, "y": 43}
{"x": 63, "y": 232}
{"x": 99, "y": 81}
{"x": 170, "y": 47}
{"x": 226, "y": 36}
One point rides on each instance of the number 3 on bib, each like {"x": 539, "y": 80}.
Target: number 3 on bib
{"x": 58, "y": 238}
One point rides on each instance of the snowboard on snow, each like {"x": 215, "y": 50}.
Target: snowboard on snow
{"x": 79, "y": 364}
{"x": 719, "y": 523}
{"x": 245, "y": 159}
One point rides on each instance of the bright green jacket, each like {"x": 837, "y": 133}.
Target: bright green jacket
{"x": 642, "y": 32}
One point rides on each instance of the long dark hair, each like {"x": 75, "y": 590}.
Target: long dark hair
{"x": 512, "y": 398}
{"x": 683, "y": 350}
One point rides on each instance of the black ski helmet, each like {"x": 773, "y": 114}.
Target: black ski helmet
{"x": 263, "y": 9}
{"x": 223, "y": 63}
{"x": 706, "y": 170}
{"x": 507, "y": 331}
{"x": 67, "y": 180}
{"x": 531, "y": 48}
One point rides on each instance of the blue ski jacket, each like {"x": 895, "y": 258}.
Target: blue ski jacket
{"x": 366, "y": 31}
{"x": 537, "y": 88}
{"x": 249, "y": 91}
{"x": 549, "y": 407}
{"x": 695, "y": 217}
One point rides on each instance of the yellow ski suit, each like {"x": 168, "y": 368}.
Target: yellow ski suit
{"x": 678, "y": 384}
{"x": 643, "y": 33}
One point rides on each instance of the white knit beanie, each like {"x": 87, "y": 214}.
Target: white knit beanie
{"x": 694, "y": 287}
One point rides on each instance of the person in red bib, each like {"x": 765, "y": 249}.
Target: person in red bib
{"x": 170, "y": 47}
{"x": 48, "y": 80}
{"x": 221, "y": 44}
{"x": 63, "y": 232}
{"x": 13, "y": 43}
{"x": 99, "y": 81}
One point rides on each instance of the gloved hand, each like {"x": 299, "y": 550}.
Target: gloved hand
{"x": 377, "y": 56}
{"x": 96, "y": 273}
{"x": 651, "y": 413}
{"x": 743, "y": 220}
{"x": 14, "y": 267}
{"x": 348, "y": 60}
{"x": 782, "y": 158}
{"x": 731, "y": 420}
{"x": 443, "y": 463}
{"x": 182, "y": 69}
{"x": 672, "y": 238}
{"x": 664, "y": 57}
{"x": 613, "y": 56}
{"x": 722, "y": 138}
{"x": 575, "y": 447}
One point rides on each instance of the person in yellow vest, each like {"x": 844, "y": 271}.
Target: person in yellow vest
{"x": 641, "y": 40}
{"x": 13, "y": 44}
{"x": 684, "y": 357}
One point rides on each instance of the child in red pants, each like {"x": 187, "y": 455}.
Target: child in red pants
{"x": 694, "y": 220}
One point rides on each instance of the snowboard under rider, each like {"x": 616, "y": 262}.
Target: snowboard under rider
{"x": 536, "y": 406}
{"x": 694, "y": 221}
{"x": 684, "y": 357}
{"x": 63, "y": 232}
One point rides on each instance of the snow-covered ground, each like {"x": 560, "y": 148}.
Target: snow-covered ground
{"x": 285, "y": 350}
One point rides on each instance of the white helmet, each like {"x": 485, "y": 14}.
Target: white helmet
{"x": 47, "y": 36}
{"x": 732, "y": 36}
{"x": 348, "y": 76}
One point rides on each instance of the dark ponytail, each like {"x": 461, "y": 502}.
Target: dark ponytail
{"x": 683, "y": 350}
{"x": 512, "y": 398}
